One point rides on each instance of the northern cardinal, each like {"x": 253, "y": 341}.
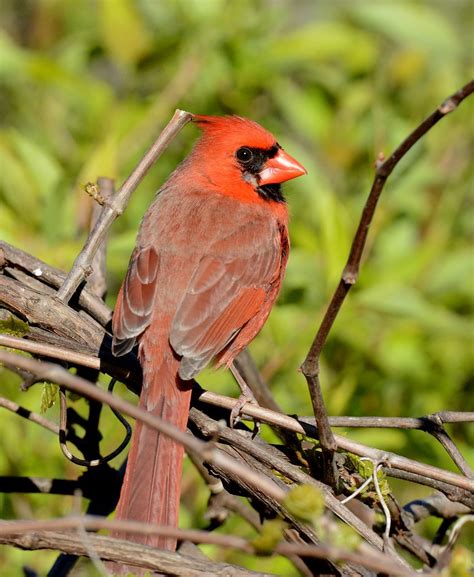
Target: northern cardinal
{"x": 207, "y": 267}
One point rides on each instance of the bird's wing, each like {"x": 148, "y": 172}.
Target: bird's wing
{"x": 134, "y": 306}
{"x": 231, "y": 285}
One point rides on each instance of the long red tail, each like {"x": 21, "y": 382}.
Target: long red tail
{"x": 151, "y": 488}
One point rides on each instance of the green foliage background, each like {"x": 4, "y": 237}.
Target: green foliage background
{"x": 86, "y": 85}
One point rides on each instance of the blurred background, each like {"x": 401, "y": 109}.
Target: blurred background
{"x": 86, "y": 86}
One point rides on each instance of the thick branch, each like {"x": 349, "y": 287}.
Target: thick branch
{"x": 13, "y": 257}
{"x": 126, "y": 552}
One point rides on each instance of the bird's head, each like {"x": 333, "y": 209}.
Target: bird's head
{"x": 241, "y": 158}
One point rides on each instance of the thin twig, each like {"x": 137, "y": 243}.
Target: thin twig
{"x": 97, "y": 280}
{"x": 52, "y": 351}
{"x": 388, "y": 458}
{"x": 397, "y": 422}
{"x": 125, "y": 371}
{"x": 310, "y": 366}
{"x": 436, "y": 505}
{"x": 432, "y": 424}
{"x": 463, "y": 496}
{"x": 453, "y": 416}
{"x": 116, "y": 206}
{"x": 30, "y": 415}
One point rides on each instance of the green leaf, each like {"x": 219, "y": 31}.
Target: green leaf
{"x": 49, "y": 395}
{"x": 365, "y": 469}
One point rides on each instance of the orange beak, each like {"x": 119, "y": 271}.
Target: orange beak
{"x": 280, "y": 168}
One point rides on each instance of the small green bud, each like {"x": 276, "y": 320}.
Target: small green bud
{"x": 270, "y": 535}
{"x": 461, "y": 563}
{"x": 345, "y": 537}
{"x": 305, "y": 502}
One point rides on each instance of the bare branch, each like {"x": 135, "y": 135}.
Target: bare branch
{"x": 55, "y": 352}
{"x": 44, "y": 310}
{"x": 127, "y": 552}
{"x": 351, "y": 270}
{"x": 126, "y": 369}
{"x": 30, "y": 415}
{"x": 97, "y": 280}
{"x": 432, "y": 424}
{"x": 56, "y": 374}
{"x": 303, "y": 427}
{"x": 273, "y": 458}
{"x": 436, "y": 505}
{"x": 368, "y": 559}
{"x": 389, "y": 459}
{"x": 397, "y": 422}
{"x": 11, "y": 256}
{"x": 116, "y": 206}
{"x": 466, "y": 497}
{"x": 310, "y": 366}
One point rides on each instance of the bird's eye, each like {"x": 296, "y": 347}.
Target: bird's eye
{"x": 244, "y": 154}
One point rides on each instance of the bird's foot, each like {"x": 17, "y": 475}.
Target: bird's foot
{"x": 236, "y": 413}
{"x": 246, "y": 396}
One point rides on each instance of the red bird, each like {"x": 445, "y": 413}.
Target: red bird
{"x": 207, "y": 267}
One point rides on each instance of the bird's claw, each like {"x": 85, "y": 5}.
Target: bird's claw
{"x": 236, "y": 412}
